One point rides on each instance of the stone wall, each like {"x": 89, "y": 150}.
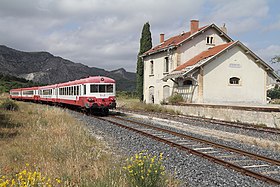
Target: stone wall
{"x": 268, "y": 116}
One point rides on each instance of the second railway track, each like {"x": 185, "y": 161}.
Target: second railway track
{"x": 245, "y": 126}
{"x": 257, "y": 166}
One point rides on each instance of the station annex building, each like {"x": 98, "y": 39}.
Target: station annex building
{"x": 205, "y": 65}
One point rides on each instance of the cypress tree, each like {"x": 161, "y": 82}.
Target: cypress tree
{"x": 145, "y": 45}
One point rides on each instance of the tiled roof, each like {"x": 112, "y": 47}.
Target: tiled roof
{"x": 173, "y": 41}
{"x": 204, "y": 55}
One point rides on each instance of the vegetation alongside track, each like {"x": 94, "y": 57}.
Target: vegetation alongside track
{"x": 8, "y": 82}
{"x": 47, "y": 140}
{"x": 125, "y": 101}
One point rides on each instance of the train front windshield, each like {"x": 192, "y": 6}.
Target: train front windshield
{"x": 101, "y": 88}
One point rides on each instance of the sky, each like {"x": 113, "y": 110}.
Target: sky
{"x": 106, "y": 33}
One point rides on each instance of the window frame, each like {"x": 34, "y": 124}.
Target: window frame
{"x": 166, "y": 65}
{"x": 234, "y": 81}
{"x": 151, "y": 68}
{"x": 210, "y": 40}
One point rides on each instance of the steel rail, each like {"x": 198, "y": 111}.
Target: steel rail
{"x": 211, "y": 158}
{"x": 235, "y": 124}
{"x": 229, "y": 123}
{"x": 245, "y": 153}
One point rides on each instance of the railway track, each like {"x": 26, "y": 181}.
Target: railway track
{"x": 245, "y": 126}
{"x": 257, "y": 166}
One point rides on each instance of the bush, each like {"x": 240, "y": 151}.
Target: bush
{"x": 28, "y": 177}
{"x": 175, "y": 99}
{"x": 145, "y": 170}
{"x": 9, "y": 104}
{"x": 274, "y": 93}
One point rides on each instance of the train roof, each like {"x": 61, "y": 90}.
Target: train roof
{"x": 31, "y": 88}
{"x": 96, "y": 79}
{"x": 20, "y": 89}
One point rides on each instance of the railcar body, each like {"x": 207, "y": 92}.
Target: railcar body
{"x": 92, "y": 93}
{"x": 25, "y": 94}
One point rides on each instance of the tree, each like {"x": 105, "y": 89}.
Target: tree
{"x": 145, "y": 45}
{"x": 275, "y": 59}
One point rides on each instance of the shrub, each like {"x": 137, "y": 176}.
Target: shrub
{"x": 145, "y": 170}
{"x": 30, "y": 178}
{"x": 9, "y": 104}
{"x": 175, "y": 99}
{"x": 274, "y": 93}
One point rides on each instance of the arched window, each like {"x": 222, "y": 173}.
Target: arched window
{"x": 151, "y": 94}
{"x": 234, "y": 80}
{"x": 187, "y": 83}
{"x": 166, "y": 91}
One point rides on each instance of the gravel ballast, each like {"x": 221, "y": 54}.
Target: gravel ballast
{"x": 190, "y": 169}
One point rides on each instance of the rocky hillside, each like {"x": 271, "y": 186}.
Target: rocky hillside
{"x": 45, "y": 68}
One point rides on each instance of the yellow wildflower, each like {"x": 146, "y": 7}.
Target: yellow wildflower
{"x": 58, "y": 181}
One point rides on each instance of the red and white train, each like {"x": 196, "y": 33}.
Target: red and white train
{"x": 92, "y": 93}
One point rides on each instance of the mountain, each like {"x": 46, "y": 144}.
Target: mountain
{"x": 46, "y": 68}
{"x": 8, "y": 82}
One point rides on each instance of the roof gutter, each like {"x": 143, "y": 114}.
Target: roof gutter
{"x": 161, "y": 50}
{"x": 203, "y": 30}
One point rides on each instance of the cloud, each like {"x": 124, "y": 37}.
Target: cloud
{"x": 241, "y": 16}
{"x": 97, "y": 33}
{"x": 106, "y": 33}
{"x": 269, "y": 52}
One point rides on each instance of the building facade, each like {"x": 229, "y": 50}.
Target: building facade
{"x": 205, "y": 65}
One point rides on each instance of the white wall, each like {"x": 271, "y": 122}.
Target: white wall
{"x": 188, "y": 50}
{"x": 155, "y": 79}
{"x": 198, "y": 44}
{"x": 234, "y": 63}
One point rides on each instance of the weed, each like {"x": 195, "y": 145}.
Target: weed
{"x": 145, "y": 170}
{"x": 175, "y": 99}
{"x": 29, "y": 178}
{"x": 9, "y": 104}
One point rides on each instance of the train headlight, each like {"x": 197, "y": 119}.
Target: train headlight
{"x": 112, "y": 99}
{"x": 90, "y": 100}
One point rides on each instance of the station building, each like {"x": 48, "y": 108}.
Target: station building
{"x": 205, "y": 65}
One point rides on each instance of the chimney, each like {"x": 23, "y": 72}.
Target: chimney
{"x": 161, "y": 38}
{"x": 223, "y": 28}
{"x": 194, "y": 26}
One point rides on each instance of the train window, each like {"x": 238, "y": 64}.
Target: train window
{"x": 93, "y": 88}
{"x": 47, "y": 92}
{"x": 102, "y": 89}
{"x": 85, "y": 90}
{"x": 78, "y": 90}
{"x": 28, "y": 92}
{"x": 110, "y": 88}
{"x": 71, "y": 90}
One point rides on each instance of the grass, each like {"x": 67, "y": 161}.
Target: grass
{"x": 49, "y": 139}
{"x": 51, "y": 142}
{"x": 135, "y": 104}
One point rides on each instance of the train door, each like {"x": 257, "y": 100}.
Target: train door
{"x": 56, "y": 94}
{"x": 85, "y": 89}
